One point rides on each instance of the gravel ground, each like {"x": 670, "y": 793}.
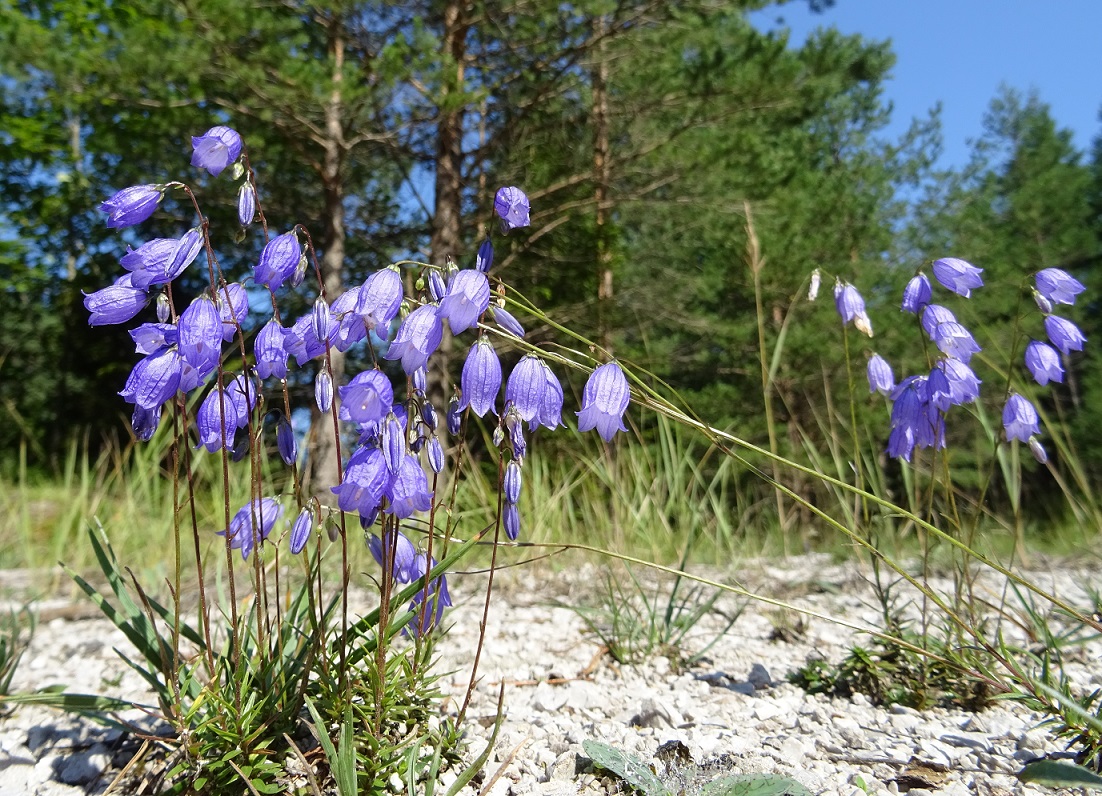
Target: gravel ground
{"x": 732, "y": 712}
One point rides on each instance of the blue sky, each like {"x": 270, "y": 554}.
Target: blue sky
{"x": 959, "y": 52}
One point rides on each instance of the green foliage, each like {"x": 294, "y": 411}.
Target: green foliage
{"x": 1055, "y": 774}
{"x": 16, "y": 629}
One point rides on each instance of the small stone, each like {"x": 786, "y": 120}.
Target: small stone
{"x": 971, "y": 740}
{"x": 564, "y": 768}
{"x": 759, "y": 677}
{"x": 83, "y": 767}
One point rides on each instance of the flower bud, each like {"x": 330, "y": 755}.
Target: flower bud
{"x": 300, "y": 271}
{"x": 323, "y": 391}
{"x": 322, "y": 319}
{"x": 164, "y": 309}
{"x": 436, "y": 455}
{"x": 816, "y": 283}
{"x": 437, "y": 289}
{"x": 454, "y": 417}
{"x": 300, "y": 532}
{"x": 246, "y": 204}
{"x": 285, "y": 441}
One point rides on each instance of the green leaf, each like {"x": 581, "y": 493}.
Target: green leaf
{"x": 629, "y": 768}
{"x": 755, "y": 785}
{"x": 1057, "y": 774}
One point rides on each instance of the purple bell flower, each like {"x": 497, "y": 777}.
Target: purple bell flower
{"x": 428, "y": 614}
{"x": 233, "y": 308}
{"x": 215, "y": 435}
{"x": 880, "y": 375}
{"x": 437, "y": 288}
{"x": 215, "y": 149}
{"x": 1064, "y": 334}
{"x": 405, "y": 555}
{"x": 525, "y": 388}
{"x": 939, "y": 393}
{"x": 246, "y": 204}
{"x": 279, "y": 260}
{"x": 200, "y": 335}
{"x": 1058, "y": 286}
{"x": 269, "y": 351}
{"x": 851, "y": 307}
{"x": 286, "y": 442}
{"x": 955, "y": 341}
{"x": 484, "y": 260}
{"x": 510, "y": 520}
{"x": 511, "y": 205}
{"x": 1043, "y": 362}
{"x": 964, "y": 387}
{"x": 365, "y": 482}
{"x": 154, "y": 379}
{"x": 150, "y": 336}
{"x": 468, "y": 297}
{"x": 1020, "y": 419}
{"x": 418, "y": 337}
{"x": 301, "y": 342}
{"x": 409, "y": 492}
{"x": 604, "y": 401}
{"x": 481, "y": 378}
{"x": 161, "y": 260}
{"x": 144, "y": 422}
{"x": 380, "y": 298}
{"x": 350, "y": 326}
{"x": 300, "y": 531}
{"x": 957, "y": 275}
{"x": 132, "y": 205}
{"x": 252, "y": 524}
{"x": 323, "y": 391}
{"x": 454, "y": 417}
{"x": 933, "y": 315}
{"x": 367, "y": 398}
{"x": 550, "y": 415}
{"x": 117, "y": 303}
{"x": 916, "y": 294}
{"x": 392, "y": 437}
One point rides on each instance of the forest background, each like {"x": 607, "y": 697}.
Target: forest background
{"x": 688, "y": 171}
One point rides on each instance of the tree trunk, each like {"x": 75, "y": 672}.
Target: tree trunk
{"x": 601, "y": 179}
{"x": 324, "y": 463}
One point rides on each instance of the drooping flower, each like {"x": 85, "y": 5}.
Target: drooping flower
{"x": 484, "y": 260}
{"x": 367, "y": 398}
{"x": 1043, "y": 362}
{"x": 916, "y": 294}
{"x": 215, "y": 149}
{"x": 200, "y": 335}
{"x": 507, "y": 322}
{"x": 428, "y": 613}
{"x": 604, "y": 401}
{"x": 286, "y": 442}
{"x": 954, "y": 340}
{"x": 279, "y": 260}
{"x": 511, "y": 205}
{"x": 481, "y": 378}
{"x": 301, "y": 342}
{"x": 409, "y": 491}
{"x": 269, "y": 351}
{"x": 405, "y": 554}
{"x": 365, "y": 481}
{"x": 916, "y": 422}
{"x": 150, "y": 336}
{"x": 550, "y": 414}
{"x": 958, "y": 275}
{"x": 350, "y": 326}
{"x": 300, "y": 531}
{"x": 252, "y": 524}
{"x": 851, "y": 307}
{"x": 380, "y": 298}
{"x": 933, "y": 315}
{"x": 939, "y": 392}
{"x": 880, "y": 375}
{"x": 1064, "y": 334}
{"x": 418, "y": 337}
{"x": 323, "y": 391}
{"x": 144, "y": 422}
{"x": 525, "y": 387}
{"x": 1020, "y": 419}
{"x": 1058, "y": 286}
{"x": 161, "y": 260}
{"x": 233, "y": 308}
{"x": 117, "y": 303}
{"x": 213, "y": 434}
{"x": 132, "y": 205}
{"x": 468, "y": 297}
{"x": 246, "y": 204}
{"x": 154, "y": 379}
{"x": 964, "y": 386}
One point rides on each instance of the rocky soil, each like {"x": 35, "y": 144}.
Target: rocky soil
{"x": 731, "y": 712}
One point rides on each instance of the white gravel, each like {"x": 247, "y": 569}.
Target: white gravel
{"x": 733, "y": 711}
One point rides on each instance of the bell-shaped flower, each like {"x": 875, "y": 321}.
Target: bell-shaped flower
{"x": 132, "y": 205}
{"x": 392, "y": 439}
{"x": 1020, "y": 419}
{"x": 144, "y": 422}
{"x": 215, "y": 149}
{"x": 851, "y": 307}
{"x": 269, "y": 351}
{"x": 380, "y": 298}
{"x": 150, "y": 336}
{"x": 278, "y": 260}
{"x": 939, "y": 391}
{"x": 525, "y": 388}
{"x": 428, "y": 603}
{"x": 1058, "y": 286}
{"x": 286, "y": 442}
{"x": 481, "y": 378}
{"x": 550, "y": 414}
{"x": 409, "y": 491}
{"x": 233, "y": 308}
{"x": 468, "y": 297}
{"x": 881, "y": 378}
{"x": 933, "y": 315}
{"x": 215, "y": 435}
{"x": 1064, "y": 334}
{"x": 507, "y": 322}
{"x": 350, "y": 326}
{"x": 365, "y": 481}
{"x": 161, "y": 260}
{"x": 916, "y": 294}
{"x": 604, "y": 401}
{"x": 957, "y": 275}
{"x": 301, "y": 342}
{"x": 246, "y": 204}
{"x": 117, "y": 303}
{"x": 395, "y": 544}
{"x": 323, "y": 391}
{"x": 200, "y": 335}
{"x": 418, "y": 337}
{"x": 154, "y": 379}
{"x": 484, "y": 260}
{"x": 367, "y": 398}
{"x": 252, "y": 524}
{"x": 300, "y": 531}
{"x": 954, "y": 340}
{"x": 964, "y": 386}
{"x": 1043, "y": 362}
{"x": 511, "y": 205}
